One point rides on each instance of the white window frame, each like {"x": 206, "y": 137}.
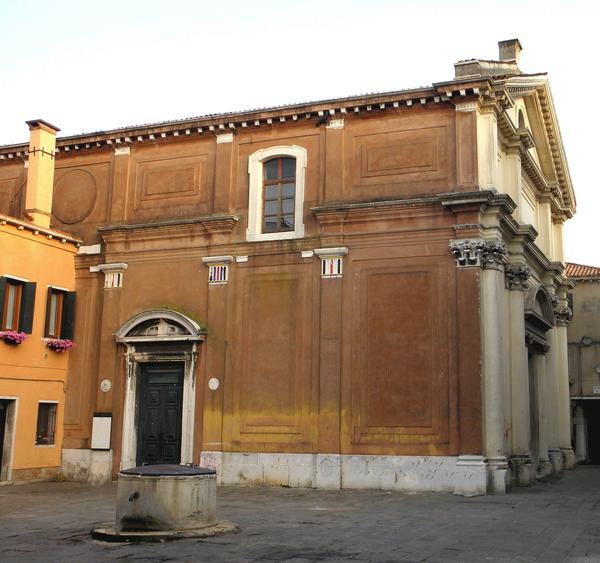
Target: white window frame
{"x": 255, "y": 200}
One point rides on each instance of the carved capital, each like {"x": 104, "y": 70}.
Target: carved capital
{"x": 563, "y": 315}
{"x": 516, "y": 276}
{"x": 478, "y": 252}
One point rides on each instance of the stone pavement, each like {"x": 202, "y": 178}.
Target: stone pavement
{"x": 552, "y": 521}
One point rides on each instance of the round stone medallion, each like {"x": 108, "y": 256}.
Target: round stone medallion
{"x": 74, "y": 196}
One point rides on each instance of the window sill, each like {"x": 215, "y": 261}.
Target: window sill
{"x": 45, "y": 445}
{"x": 287, "y": 235}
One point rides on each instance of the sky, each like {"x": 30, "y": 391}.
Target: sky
{"x": 87, "y": 66}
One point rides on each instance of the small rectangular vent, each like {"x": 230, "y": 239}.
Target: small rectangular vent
{"x": 113, "y": 279}
{"x": 331, "y": 267}
{"x": 217, "y": 273}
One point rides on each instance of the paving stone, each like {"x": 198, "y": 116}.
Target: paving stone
{"x": 552, "y": 521}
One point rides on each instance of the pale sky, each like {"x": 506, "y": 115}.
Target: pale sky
{"x": 87, "y": 66}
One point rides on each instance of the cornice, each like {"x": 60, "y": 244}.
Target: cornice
{"x": 36, "y": 230}
{"x": 217, "y": 124}
{"x": 165, "y": 233}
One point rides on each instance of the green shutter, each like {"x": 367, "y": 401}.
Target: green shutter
{"x": 2, "y": 290}
{"x": 67, "y": 323}
{"x": 27, "y": 307}
{"x": 47, "y": 321}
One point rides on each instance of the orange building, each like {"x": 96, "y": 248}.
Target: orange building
{"x": 37, "y": 304}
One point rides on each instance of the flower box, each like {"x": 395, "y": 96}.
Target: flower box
{"x": 12, "y": 337}
{"x": 60, "y": 344}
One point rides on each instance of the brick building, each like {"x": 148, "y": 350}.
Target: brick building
{"x": 358, "y": 292}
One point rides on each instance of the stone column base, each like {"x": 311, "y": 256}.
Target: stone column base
{"x": 556, "y": 459}
{"x": 471, "y": 476}
{"x": 544, "y": 468}
{"x": 498, "y": 476}
{"x": 569, "y": 460}
{"x": 523, "y": 471}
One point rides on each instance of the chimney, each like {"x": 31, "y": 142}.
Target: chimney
{"x": 509, "y": 50}
{"x": 40, "y": 174}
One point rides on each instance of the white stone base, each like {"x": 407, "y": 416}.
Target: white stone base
{"x": 523, "y": 473}
{"x": 90, "y": 466}
{"x": 556, "y": 459}
{"x": 464, "y": 475}
{"x": 544, "y": 468}
{"x": 568, "y": 459}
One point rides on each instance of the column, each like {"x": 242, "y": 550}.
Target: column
{"x": 563, "y": 315}
{"x": 551, "y": 389}
{"x": 539, "y": 369}
{"x": 516, "y": 281}
{"x": 581, "y": 453}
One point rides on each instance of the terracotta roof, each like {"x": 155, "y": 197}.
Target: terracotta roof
{"x": 581, "y": 271}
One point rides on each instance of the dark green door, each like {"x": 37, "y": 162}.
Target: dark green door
{"x": 159, "y": 413}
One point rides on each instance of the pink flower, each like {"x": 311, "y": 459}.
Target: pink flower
{"x": 12, "y": 336}
{"x": 60, "y": 344}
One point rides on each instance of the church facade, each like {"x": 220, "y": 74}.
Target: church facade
{"x": 365, "y": 292}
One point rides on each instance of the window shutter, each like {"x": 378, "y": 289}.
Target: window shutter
{"x": 47, "y": 321}
{"x": 67, "y": 323}
{"x": 2, "y": 290}
{"x": 27, "y": 306}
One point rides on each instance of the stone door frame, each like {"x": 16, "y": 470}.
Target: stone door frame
{"x": 175, "y": 340}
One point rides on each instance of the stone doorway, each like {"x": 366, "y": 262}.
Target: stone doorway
{"x": 7, "y": 431}
{"x": 167, "y": 341}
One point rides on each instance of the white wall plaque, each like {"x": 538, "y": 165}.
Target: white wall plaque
{"x": 596, "y": 389}
{"x": 213, "y": 383}
{"x": 101, "y": 426}
{"x": 105, "y": 385}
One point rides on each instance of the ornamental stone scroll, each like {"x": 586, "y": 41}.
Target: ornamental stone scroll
{"x": 486, "y": 254}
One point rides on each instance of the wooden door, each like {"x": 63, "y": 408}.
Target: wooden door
{"x": 160, "y": 401}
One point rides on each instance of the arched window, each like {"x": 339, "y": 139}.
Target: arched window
{"x": 276, "y": 193}
{"x": 279, "y": 194}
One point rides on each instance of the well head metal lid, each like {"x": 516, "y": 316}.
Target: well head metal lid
{"x": 167, "y": 470}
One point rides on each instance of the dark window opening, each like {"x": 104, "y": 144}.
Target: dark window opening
{"x": 46, "y": 424}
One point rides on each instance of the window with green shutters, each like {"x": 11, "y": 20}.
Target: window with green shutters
{"x": 17, "y": 303}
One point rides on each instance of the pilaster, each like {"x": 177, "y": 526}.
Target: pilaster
{"x": 120, "y": 185}
{"x": 330, "y": 359}
{"x": 490, "y": 256}
{"x": 212, "y": 426}
{"x": 487, "y": 148}
{"x": 223, "y": 172}
{"x": 108, "y": 362}
{"x": 334, "y": 160}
